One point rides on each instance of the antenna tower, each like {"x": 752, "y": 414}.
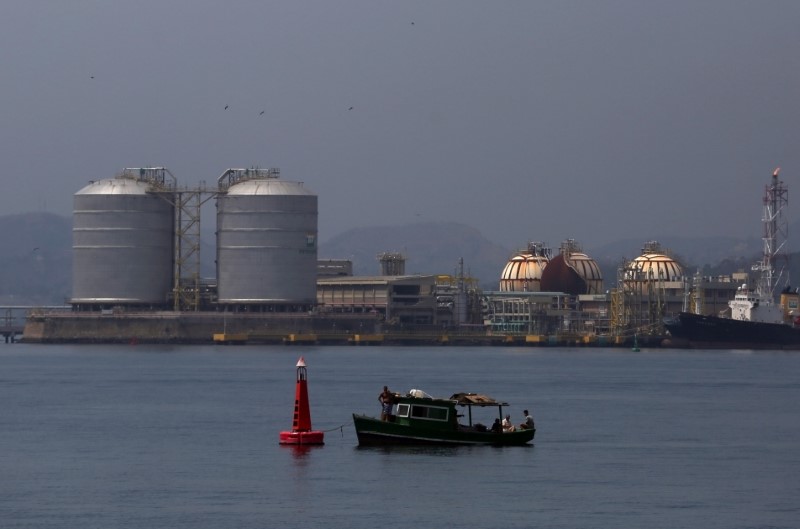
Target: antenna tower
{"x": 774, "y": 262}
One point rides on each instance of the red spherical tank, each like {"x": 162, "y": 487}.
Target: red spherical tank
{"x": 558, "y": 277}
{"x": 572, "y": 272}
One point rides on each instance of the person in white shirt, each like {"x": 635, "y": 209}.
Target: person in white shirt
{"x": 507, "y": 426}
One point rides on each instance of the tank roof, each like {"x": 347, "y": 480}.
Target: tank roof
{"x": 268, "y": 186}
{"x": 116, "y": 186}
{"x": 132, "y": 181}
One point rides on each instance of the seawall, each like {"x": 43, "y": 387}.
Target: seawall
{"x": 185, "y": 327}
{"x": 288, "y": 328}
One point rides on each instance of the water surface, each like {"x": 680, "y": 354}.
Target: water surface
{"x": 156, "y": 436}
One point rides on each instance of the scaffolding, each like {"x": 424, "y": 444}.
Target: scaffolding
{"x": 186, "y": 282}
{"x": 620, "y": 303}
{"x": 186, "y": 245}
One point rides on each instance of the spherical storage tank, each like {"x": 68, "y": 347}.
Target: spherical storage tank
{"x": 654, "y": 265}
{"x": 266, "y": 240}
{"x": 123, "y": 240}
{"x": 523, "y": 272}
{"x": 572, "y": 272}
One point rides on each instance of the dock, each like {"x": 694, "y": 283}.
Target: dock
{"x": 219, "y": 328}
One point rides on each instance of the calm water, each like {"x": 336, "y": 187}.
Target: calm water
{"x": 145, "y": 437}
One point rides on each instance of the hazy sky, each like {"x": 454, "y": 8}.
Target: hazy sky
{"x": 593, "y": 120}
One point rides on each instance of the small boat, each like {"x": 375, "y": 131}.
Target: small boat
{"x": 419, "y": 418}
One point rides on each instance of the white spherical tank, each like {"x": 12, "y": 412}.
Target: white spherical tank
{"x": 123, "y": 241}
{"x": 589, "y": 270}
{"x": 654, "y": 265}
{"x": 523, "y": 272}
{"x": 266, "y": 240}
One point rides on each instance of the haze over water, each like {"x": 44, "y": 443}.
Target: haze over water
{"x": 151, "y": 436}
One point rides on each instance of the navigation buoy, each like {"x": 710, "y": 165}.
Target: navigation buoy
{"x": 301, "y": 433}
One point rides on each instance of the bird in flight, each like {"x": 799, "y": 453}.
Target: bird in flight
{"x": 261, "y": 113}
{"x": 226, "y": 107}
{"x": 351, "y": 108}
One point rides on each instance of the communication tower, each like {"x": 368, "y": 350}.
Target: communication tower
{"x": 774, "y": 262}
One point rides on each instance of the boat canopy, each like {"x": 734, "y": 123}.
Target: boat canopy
{"x": 475, "y": 399}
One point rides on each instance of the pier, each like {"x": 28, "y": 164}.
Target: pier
{"x": 14, "y": 318}
{"x": 12, "y": 323}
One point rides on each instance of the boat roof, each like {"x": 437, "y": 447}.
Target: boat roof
{"x": 475, "y": 399}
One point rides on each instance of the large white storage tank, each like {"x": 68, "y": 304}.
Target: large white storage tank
{"x": 266, "y": 241}
{"x": 654, "y": 267}
{"x": 123, "y": 240}
{"x": 523, "y": 272}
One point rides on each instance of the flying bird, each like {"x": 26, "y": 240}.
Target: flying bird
{"x": 351, "y": 108}
{"x": 261, "y": 113}
{"x": 226, "y": 107}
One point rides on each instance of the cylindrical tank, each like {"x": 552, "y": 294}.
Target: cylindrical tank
{"x": 266, "y": 240}
{"x": 572, "y": 272}
{"x": 123, "y": 240}
{"x": 523, "y": 272}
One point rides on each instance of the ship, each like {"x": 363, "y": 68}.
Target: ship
{"x": 703, "y": 331}
{"x": 753, "y": 319}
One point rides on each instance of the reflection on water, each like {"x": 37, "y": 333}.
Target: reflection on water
{"x": 429, "y": 450}
{"x": 301, "y": 452}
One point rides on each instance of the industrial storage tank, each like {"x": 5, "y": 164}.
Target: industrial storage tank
{"x": 123, "y": 240}
{"x": 655, "y": 265}
{"x": 572, "y": 272}
{"x": 523, "y": 272}
{"x": 266, "y": 241}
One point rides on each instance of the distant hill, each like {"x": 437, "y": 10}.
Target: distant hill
{"x": 35, "y": 259}
{"x": 434, "y": 248}
{"x": 689, "y": 251}
{"x": 36, "y": 254}
{"x": 704, "y": 253}
{"x": 430, "y": 248}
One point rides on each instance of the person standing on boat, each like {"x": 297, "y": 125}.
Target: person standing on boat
{"x": 386, "y": 399}
{"x": 528, "y": 423}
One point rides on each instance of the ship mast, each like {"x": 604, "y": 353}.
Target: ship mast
{"x": 774, "y": 262}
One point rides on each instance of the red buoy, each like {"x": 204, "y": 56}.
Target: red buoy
{"x": 301, "y": 433}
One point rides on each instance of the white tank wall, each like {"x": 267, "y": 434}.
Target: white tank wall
{"x": 267, "y": 243}
{"x": 122, "y": 244}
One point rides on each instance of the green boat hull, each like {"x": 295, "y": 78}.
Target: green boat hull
{"x": 372, "y": 431}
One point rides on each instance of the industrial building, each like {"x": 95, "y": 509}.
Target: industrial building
{"x": 136, "y": 244}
